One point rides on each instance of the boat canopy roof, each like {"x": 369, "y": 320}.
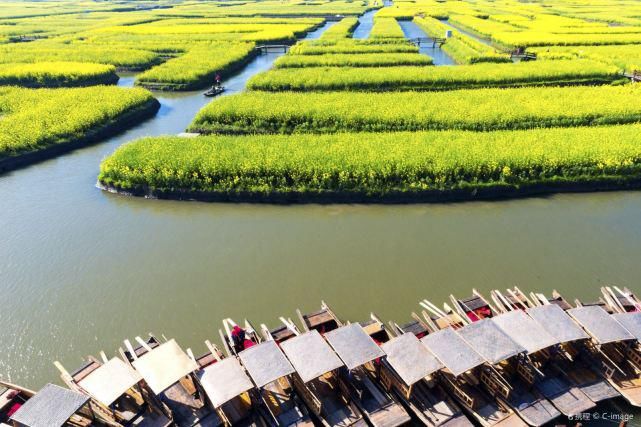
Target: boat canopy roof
{"x": 599, "y": 324}
{"x": 164, "y": 365}
{"x": 524, "y": 330}
{"x": 311, "y": 355}
{"x": 557, "y": 323}
{"x": 353, "y": 345}
{"x": 631, "y": 322}
{"x": 110, "y": 381}
{"x": 411, "y": 360}
{"x": 224, "y": 380}
{"x": 490, "y": 341}
{"x": 265, "y": 362}
{"x": 52, "y": 406}
{"x": 453, "y": 351}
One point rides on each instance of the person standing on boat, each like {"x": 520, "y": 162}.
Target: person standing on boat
{"x": 240, "y": 339}
{"x": 217, "y": 80}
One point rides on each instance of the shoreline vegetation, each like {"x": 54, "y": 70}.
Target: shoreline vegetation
{"x": 399, "y": 78}
{"x": 57, "y": 74}
{"x": 377, "y": 167}
{"x": 523, "y": 70}
{"x": 473, "y": 109}
{"x": 65, "y": 119}
{"x": 197, "y": 68}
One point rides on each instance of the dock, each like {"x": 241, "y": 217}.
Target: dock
{"x": 511, "y": 359}
{"x": 521, "y": 55}
{"x": 634, "y": 76}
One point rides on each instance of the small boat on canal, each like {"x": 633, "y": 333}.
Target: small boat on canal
{"x": 474, "y": 308}
{"x": 169, "y": 377}
{"x": 464, "y": 371}
{"x": 12, "y": 397}
{"x": 542, "y": 349}
{"x": 620, "y": 300}
{"x": 116, "y": 391}
{"x": 580, "y": 366}
{"x": 614, "y": 346}
{"x": 316, "y": 380}
{"x": 359, "y": 353}
{"x": 271, "y": 373}
{"x": 230, "y": 392}
{"x": 511, "y": 377}
{"x": 54, "y": 406}
{"x": 214, "y": 91}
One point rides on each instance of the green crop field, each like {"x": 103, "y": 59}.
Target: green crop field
{"x": 35, "y": 119}
{"x": 481, "y": 110}
{"x": 519, "y": 95}
{"x": 56, "y": 74}
{"x": 375, "y": 166}
{"x": 396, "y": 78}
{"x": 198, "y": 67}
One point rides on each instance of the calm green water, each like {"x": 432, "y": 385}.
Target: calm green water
{"x": 81, "y": 269}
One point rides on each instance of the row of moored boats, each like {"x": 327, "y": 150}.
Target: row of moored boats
{"x": 510, "y": 359}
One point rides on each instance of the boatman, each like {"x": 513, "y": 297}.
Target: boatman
{"x": 240, "y": 341}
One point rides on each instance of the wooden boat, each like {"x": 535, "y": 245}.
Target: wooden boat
{"x": 462, "y": 378}
{"x": 214, "y": 90}
{"x": 542, "y": 350}
{"x": 614, "y": 349}
{"x": 287, "y": 330}
{"x": 212, "y": 355}
{"x": 316, "y": 379}
{"x": 12, "y": 397}
{"x": 620, "y": 300}
{"x": 169, "y": 380}
{"x": 71, "y": 408}
{"x": 361, "y": 353}
{"x": 376, "y": 329}
{"x": 425, "y": 396}
{"x": 357, "y": 378}
{"x": 473, "y": 308}
{"x": 271, "y": 372}
{"x": 323, "y": 320}
{"x": 580, "y": 367}
{"x": 446, "y": 318}
{"x": 228, "y": 389}
{"x": 416, "y": 326}
{"x": 237, "y": 339}
{"x": 115, "y": 390}
{"x": 511, "y": 376}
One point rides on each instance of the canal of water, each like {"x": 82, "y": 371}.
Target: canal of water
{"x": 365, "y": 23}
{"x": 413, "y": 31}
{"x": 81, "y": 269}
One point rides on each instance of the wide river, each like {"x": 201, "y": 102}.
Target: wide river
{"x": 81, "y": 269}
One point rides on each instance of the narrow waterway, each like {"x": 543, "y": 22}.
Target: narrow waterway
{"x": 81, "y": 269}
{"x": 413, "y": 31}
{"x": 365, "y": 23}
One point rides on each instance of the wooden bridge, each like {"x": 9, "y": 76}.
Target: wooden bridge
{"x": 265, "y": 48}
{"x": 523, "y": 55}
{"x": 634, "y": 76}
{"x": 435, "y": 42}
